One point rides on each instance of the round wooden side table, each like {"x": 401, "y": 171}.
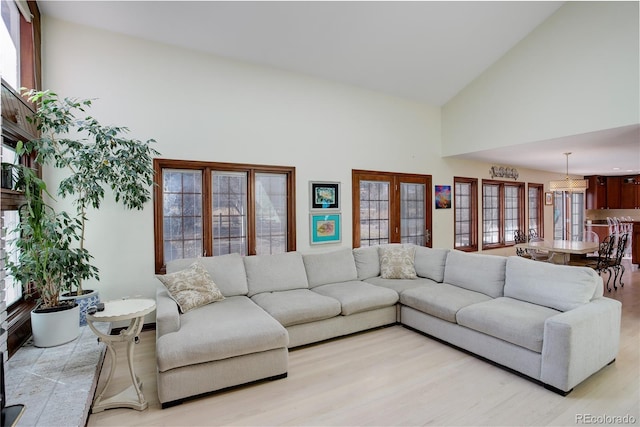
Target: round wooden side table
{"x": 133, "y": 310}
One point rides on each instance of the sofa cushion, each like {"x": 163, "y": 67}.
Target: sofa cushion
{"x": 396, "y": 262}
{"x": 511, "y": 320}
{"x": 229, "y": 328}
{"x": 356, "y": 297}
{"x": 227, "y": 271}
{"x": 476, "y": 272}
{"x": 430, "y": 262}
{"x": 367, "y": 262}
{"x": 191, "y": 288}
{"x": 280, "y": 272}
{"x": 297, "y": 306}
{"x": 441, "y": 300}
{"x": 330, "y": 267}
{"x": 399, "y": 285}
{"x": 563, "y": 287}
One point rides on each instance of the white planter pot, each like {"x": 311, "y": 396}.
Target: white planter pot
{"x": 84, "y": 301}
{"x": 55, "y": 328}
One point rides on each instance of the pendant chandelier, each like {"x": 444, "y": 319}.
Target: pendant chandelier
{"x": 569, "y": 185}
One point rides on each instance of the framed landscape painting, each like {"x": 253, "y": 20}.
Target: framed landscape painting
{"x": 325, "y": 228}
{"x": 324, "y": 195}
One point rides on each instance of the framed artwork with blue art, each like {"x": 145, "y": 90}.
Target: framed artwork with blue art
{"x": 324, "y": 195}
{"x": 325, "y": 228}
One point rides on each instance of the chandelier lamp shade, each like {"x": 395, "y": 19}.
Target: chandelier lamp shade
{"x": 570, "y": 185}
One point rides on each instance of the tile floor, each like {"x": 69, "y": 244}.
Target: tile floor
{"x": 56, "y": 384}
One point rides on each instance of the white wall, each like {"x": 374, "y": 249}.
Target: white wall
{"x": 202, "y": 107}
{"x": 576, "y": 73}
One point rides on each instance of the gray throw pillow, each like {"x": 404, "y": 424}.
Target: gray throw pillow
{"x": 396, "y": 262}
{"x": 191, "y": 288}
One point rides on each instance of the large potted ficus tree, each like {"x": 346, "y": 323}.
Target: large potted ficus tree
{"x": 95, "y": 157}
{"x": 48, "y": 262}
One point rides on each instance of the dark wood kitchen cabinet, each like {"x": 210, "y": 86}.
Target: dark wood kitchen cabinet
{"x": 630, "y": 192}
{"x": 614, "y": 192}
{"x": 597, "y": 192}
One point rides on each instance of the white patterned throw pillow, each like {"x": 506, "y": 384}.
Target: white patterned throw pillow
{"x": 191, "y": 288}
{"x": 396, "y": 262}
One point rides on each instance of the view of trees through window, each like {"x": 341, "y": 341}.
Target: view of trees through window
{"x": 391, "y": 208}
{"x": 216, "y": 209}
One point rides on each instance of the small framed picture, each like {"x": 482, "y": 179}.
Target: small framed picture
{"x": 325, "y": 228}
{"x": 443, "y": 197}
{"x": 548, "y": 198}
{"x": 324, "y": 195}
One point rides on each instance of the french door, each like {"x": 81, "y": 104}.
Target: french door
{"x": 568, "y": 215}
{"x": 391, "y": 208}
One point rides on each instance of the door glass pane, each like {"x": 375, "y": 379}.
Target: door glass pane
{"x": 534, "y": 200}
{"x": 463, "y": 214}
{"x": 229, "y": 212}
{"x": 412, "y": 215}
{"x": 511, "y": 212}
{"x": 559, "y": 214}
{"x": 374, "y": 213}
{"x": 490, "y": 214}
{"x": 271, "y": 213}
{"x": 182, "y": 213}
{"x": 577, "y": 216}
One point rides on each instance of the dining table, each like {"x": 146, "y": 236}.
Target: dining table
{"x": 561, "y": 247}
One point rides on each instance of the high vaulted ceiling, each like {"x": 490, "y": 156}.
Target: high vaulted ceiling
{"x": 423, "y": 50}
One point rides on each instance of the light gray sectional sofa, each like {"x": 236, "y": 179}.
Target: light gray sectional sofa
{"x": 547, "y": 322}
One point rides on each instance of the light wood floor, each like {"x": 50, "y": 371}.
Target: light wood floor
{"x": 394, "y": 376}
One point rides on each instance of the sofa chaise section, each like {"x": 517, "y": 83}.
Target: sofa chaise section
{"x": 219, "y": 345}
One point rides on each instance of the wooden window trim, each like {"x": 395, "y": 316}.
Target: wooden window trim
{"x": 206, "y": 168}
{"x": 19, "y": 313}
{"x": 501, "y": 211}
{"x": 358, "y": 175}
{"x": 473, "y": 247}
{"x": 540, "y": 210}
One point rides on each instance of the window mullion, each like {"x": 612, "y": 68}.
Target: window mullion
{"x": 501, "y": 214}
{"x": 251, "y": 212}
{"x": 394, "y": 210}
{"x": 207, "y": 212}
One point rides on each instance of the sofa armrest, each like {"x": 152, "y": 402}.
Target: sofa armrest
{"x": 579, "y": 342}
{"x": 167, "y": 314}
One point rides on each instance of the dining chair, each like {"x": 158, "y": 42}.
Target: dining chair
{"x": 604, "y": 260}
{"x": 613, "y": 228}
{"x": 519, "y": 237}
{"x": 616, "y": 261}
